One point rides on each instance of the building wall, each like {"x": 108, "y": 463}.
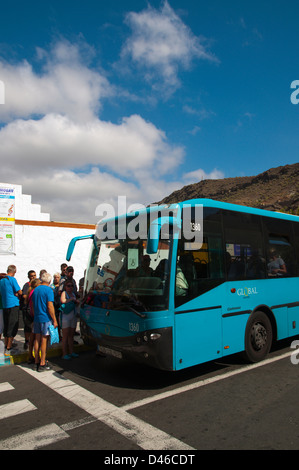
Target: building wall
{"x": 42, "y": 244}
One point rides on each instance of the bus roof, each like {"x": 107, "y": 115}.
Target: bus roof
{"x": 239, "y": 208}
{"x": 205, "y": 203}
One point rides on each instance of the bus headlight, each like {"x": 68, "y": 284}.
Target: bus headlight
{"x": 147, "y": 337}
{"x": 155, "y": 336}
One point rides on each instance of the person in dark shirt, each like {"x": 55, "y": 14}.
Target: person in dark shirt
{"x": 10, "y": 293}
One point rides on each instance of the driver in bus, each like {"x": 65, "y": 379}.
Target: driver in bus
{"x": 144, "y": 270}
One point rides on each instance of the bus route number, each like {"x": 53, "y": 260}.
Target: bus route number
{"x": 134, "y": 327}
{"x": 195, "y": 226}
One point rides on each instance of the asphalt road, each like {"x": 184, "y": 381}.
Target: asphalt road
{"x": 109, "y": 405}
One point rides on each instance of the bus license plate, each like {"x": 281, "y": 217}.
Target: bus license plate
{"x": 110, "y": 352}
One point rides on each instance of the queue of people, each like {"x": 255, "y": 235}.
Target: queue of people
{"x": 42, "y": 302}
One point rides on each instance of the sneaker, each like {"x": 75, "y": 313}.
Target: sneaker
{"x": 67, "y": 357}
{"x": 44, "y": 367}
{"x": 74, "y": 355}
{"x": 9, "y": 352}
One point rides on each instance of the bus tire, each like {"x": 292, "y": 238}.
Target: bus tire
{"x": 258, "y": 337}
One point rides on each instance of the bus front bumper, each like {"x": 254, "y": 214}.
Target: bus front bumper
{"x": 152, "y": 347}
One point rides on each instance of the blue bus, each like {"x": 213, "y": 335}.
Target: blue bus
{"x": 170, "y": 301}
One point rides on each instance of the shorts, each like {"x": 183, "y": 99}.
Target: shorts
{"x": 28, "y": 320}
{"x": 42, "y": 328}
{"x": 69, "y": 320}
{"x": 11, "y": 321}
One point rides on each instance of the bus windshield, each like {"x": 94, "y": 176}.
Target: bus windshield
{"x": 122, "y": 276}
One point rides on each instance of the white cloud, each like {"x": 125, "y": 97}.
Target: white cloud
{"x": 67, "y": 165}
{"x": 54, "y": 143}
{"x": 74, "y": 197}
{"x": 70, "y": 196}
{"x": 200, "y": 113}
{"x": 161, "y": 43}
{"x": 199, "y": 175}
{"x": 65, "y": 85}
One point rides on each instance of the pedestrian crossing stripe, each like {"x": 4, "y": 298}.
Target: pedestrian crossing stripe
{"x": 16, "y": 408}
{"x": 34, "y": 439}
{"x": 5, "y": 386}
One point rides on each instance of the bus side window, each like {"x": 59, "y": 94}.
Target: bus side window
{"x": 281, "y": 260}
{"x": 205, "y": 267}
{"x": 245, "y": 258}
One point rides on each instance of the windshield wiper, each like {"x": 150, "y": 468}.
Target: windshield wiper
{"x": 141, "y": 315}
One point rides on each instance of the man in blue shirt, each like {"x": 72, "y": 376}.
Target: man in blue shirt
{"x": 44, "y": 316}
{"x": 10, "y": 292}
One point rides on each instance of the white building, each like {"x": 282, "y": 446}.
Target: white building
{"x": 40, "y": 243}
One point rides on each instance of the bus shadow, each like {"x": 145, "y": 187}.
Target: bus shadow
{"x": 123, "y": 374}
{"x": 120, "y": 374}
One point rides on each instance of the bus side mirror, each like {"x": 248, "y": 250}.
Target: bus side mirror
{"x": 153, "y": 237}
{"x": 72, "y": 244}
{"x": 155, "y": 230}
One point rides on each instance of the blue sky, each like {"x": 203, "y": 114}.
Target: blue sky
{"x": 136, "y": 98}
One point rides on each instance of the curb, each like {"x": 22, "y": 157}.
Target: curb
{"x": 51, "y": 352}
{"x": 5, "y": 361}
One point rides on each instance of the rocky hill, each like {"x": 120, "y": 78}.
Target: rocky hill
{"x": 276, "y": 189}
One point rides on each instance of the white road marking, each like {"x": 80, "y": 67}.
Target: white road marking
{"x": 5, "y": 386}
{"x": 16, "y": 408}
{"x": 143, "y": 434}
{"x": 78, "y": 423}
{"x": 35, "y": 438}
{"x": 202, "y": 383}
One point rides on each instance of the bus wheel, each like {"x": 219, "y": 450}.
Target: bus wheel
{"x": 258, "y": 337}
